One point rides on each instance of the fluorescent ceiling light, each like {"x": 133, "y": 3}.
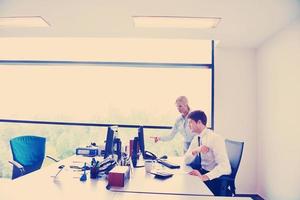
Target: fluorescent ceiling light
{"x": 26, "y": 21}
{"x": 176, "y": 22}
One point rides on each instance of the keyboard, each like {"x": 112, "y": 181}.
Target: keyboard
{"x": 168, "y": 164}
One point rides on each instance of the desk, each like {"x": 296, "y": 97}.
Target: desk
{"x": 139, "y": 196}
{"x": 180, "y": 183}
{"x": 40, "y": 185}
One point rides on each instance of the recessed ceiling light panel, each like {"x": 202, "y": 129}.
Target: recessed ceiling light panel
{"x": 23, "y": 21}
{"x": 176, "y": 22}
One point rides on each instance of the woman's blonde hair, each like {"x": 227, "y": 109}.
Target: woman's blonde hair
{"x": 182, "y": 99}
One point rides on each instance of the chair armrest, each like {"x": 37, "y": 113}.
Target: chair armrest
{"x": 51, "y": 158}
{"x": 228, "y": 185}
{"x": 226, "y": 177}
{"x": 18, "y": 166}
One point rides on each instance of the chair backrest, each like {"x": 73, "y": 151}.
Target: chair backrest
{"x": 29, "y": 151}
{"x": 234, "y": 151}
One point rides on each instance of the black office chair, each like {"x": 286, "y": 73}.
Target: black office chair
{"x": 234, "y": 151}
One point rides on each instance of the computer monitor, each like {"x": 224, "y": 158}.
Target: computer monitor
{"x": 141, "y": 140}
{"x": 146, "y": 154}
{"x": 109, "y": 142}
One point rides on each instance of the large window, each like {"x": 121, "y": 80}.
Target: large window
{"x": 105, "y": 81}
{"x": 124, "y": 94}
{"x": 102, "y": 94}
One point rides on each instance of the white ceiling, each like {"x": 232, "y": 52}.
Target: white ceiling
{"x": 245, "y": 23}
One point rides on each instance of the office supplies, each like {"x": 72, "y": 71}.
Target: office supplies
{"x": 94, "y": 172}
{"x": 61, "y": 167}
{"x": 94, "y": 169}
{"x": 117, "y": 147}
{"x": 148, "y": 165}
{"x": 106, "y": 165}
{"x": 130, "y": 147}
{"x": 80, "y": 168}
{"x": 83, "y": 177}
{"x": 87, "y": 151}
{"x": 161, "y": 175}
{"x": 118, "y": 176}
{"x": 124, "y": 161}
{"x": 168, "y": 164}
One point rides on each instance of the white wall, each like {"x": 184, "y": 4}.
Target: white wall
{"x": 235, "y": 108}
{"x": 278, "y": 74}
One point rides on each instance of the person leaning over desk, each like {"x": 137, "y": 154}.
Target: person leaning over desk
{"x": 211, "y": 149}
{"x": 181, "y": 124}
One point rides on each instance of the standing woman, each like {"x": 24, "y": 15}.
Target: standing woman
{"x": 181, "y": 124}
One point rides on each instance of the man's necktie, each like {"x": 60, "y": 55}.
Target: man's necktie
{"x": 199, "y": 154}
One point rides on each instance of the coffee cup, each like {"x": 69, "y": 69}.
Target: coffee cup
{"x": 148, "y": 165}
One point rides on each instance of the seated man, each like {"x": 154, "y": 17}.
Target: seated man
{"x": 210, "y": 148}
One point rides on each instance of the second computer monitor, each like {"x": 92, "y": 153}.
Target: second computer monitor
{"x": 146, "y": 154}
{"x": 109, "y": 142}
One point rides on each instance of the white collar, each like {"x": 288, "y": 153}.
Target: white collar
{"x": 203, "y": 133}
{"x": 182, "y": 117}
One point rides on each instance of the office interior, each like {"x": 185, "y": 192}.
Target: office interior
{"x": 253, "y": 50}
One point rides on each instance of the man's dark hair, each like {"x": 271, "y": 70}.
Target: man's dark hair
{"x": 198, "y": 115}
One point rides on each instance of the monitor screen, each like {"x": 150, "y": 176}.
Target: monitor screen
{"x": 109, "y": 142}
{"x": 141, "y": 140}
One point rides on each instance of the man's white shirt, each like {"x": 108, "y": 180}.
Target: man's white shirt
{"x": 216, "y": 159}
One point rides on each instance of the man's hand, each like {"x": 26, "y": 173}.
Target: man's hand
{"x": 204, "y": 178}
{"x": 197, "y": 173}
{"x": 201, "y": 149}
{"x": 156, "y": 139}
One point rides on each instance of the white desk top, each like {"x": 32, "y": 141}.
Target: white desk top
{"x": 139, "y": 196}
{"x": 40, "y": 184}
{"x": 67, "y": 186}
{"x": 180, "y": 183}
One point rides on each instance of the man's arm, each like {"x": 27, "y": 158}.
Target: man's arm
{"x": 197, "y": 173}
{"x": 223, "y": 166}
{"x": 202, "y": 149}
